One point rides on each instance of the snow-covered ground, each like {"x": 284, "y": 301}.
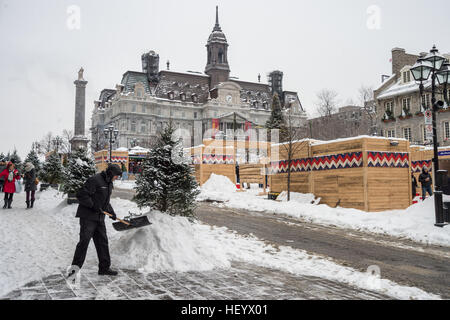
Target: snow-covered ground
{"x": 415, "y": 223}
{"x": 40, "y": 242}
{"x": 125, "y": 184}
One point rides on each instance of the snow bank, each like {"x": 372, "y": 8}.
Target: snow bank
{"x": 415, "y": 223}
{"x": 169, "y": 244}
{"x": 218, "y": 187}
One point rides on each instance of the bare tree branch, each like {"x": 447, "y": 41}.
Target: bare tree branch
{"x": 327, "y": 102}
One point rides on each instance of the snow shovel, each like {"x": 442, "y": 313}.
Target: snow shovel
{"x": 133, "y": 221}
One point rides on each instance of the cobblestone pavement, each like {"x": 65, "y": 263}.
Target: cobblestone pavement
{"x": 241, "y": 282}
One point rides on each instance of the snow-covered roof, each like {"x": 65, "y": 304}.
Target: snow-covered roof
{"x": 400, "y": 88}
{"x": 356, "y": 138}
{"x": 122, "y": 149}
{"x": 138, "y": 149}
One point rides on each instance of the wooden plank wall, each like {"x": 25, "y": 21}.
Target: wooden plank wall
{"x": 204, "y": 171}
{"x": 251, "y": 173}
{"x": 388, "y": 188}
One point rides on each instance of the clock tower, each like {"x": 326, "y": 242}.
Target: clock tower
{"x": 217, "y": 54}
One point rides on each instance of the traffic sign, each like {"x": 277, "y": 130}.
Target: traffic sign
{"x": 428, "y": 117}
{"x": 429, "y": 132}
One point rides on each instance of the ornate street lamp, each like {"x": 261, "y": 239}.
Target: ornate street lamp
{"x": 443, "y": 77}
{"x": 111, "y": 135}
{"x": 432, "y": 65}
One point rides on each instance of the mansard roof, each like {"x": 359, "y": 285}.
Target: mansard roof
{"x": 130, "y": 78}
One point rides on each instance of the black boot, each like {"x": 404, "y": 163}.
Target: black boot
{"x": 6, "y": 204}
{"x": 32, "y": 203}
{"x": 107, "y": 272}
{"x": 9, "y": 204}
{"x": 28, "y": 204}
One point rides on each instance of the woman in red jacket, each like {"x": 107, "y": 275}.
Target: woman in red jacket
{"x": 11, "y": 175}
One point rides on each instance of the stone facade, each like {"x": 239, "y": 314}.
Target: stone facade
{"x": 146, "y": 101}
{"x": 399, "y": 104}
{"x": 349, "y": 121}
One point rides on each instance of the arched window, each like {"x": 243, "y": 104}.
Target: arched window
{"x": 220, "y": 56}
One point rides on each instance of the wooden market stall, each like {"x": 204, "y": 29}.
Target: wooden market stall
{"x": 367, "y": 173}
{"x": 221, "y": 156}
{"x": 118, "y": 157}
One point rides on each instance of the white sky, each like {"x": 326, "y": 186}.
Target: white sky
{"x": 317, "y": 44}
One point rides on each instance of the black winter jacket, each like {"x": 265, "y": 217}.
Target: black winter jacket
{"x": 94, "y": 198}
{"x": 29, "y": 178}
{"x": 423, "y": 176}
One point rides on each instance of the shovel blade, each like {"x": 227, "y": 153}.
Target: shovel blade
{"x": 138, "y": 222}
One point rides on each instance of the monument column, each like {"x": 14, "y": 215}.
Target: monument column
{"x": 79, "y": 140}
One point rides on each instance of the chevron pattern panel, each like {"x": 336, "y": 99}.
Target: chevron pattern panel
{"x": 330, "y": 162}
{"x": 388, "y": 159}
{"x": 220, "y": 159}
{"x": 417, "y": 166}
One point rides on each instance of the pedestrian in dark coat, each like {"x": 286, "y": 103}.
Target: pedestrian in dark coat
{"x": 29, "y": 179}
{"x": 94, "y": 199}
{"x": 426, "y": 181}
{"x": 10, "y": 174}
{"x": 2, "y": 179}
{"x": 414, "y": 185}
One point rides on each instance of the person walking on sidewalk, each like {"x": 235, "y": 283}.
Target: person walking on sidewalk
{"x": 29, "y": 179}
{"x": 425, "y": 180}
{"x": 414, "y": 185}
{"x": 10, "y": 174}
{"x": 94, "y": 199}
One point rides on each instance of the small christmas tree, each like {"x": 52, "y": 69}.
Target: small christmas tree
{"x": 276, "y": 120}
{"x": 166, "y": 185}
{"x": 51, "y": 170}
{"x": 2, "y": 157}
{"x": 79, "y": 168}
{"x": 33, "y": 158}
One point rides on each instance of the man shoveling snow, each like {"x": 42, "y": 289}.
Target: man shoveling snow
{"x": 94, "y": 199}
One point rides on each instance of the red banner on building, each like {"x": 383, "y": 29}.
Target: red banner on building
{"x": 215, "y": 127}
{"x": 247, "y": 129}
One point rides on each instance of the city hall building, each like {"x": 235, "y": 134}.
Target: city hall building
{"x": 145, "y": 101}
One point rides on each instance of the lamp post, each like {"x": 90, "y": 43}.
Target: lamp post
{"x": 432, "y": 65}
{"x": 111, "y": 135}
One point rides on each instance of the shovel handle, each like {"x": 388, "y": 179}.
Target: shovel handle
{"x": 124, "y": 222}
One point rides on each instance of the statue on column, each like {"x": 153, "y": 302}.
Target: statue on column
{"x": 80, "y": 74}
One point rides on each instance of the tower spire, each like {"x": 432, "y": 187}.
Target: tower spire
{"x": 217, "y": 26}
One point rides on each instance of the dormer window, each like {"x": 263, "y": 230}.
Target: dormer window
{"x": 171, "y": 95}
{"x": 194, "y": 97}
{"x": 182, "y": 96}
{"x": 406, "y": 76}
{"x": 265, "y": 105}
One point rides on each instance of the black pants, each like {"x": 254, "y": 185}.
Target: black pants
{"x": 9, "y": 196}
{"x": 96, "y": 230}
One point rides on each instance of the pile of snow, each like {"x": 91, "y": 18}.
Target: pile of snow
{"x": 218, "y": 187}
{"x": 415, "y": 223}
{"x": 171, "y": 243}
{"x": 298, "y": 197}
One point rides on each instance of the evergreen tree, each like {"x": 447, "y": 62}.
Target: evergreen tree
{"x": 51, "y": 170}
{"x": 2, "y": 157}
{"x": 33, "y": 158}
{"x": 79, "y": 168}
{"x": 276, "y": 120}
{"x": 14, "y": 158}
{"x": 165, "y": 185}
